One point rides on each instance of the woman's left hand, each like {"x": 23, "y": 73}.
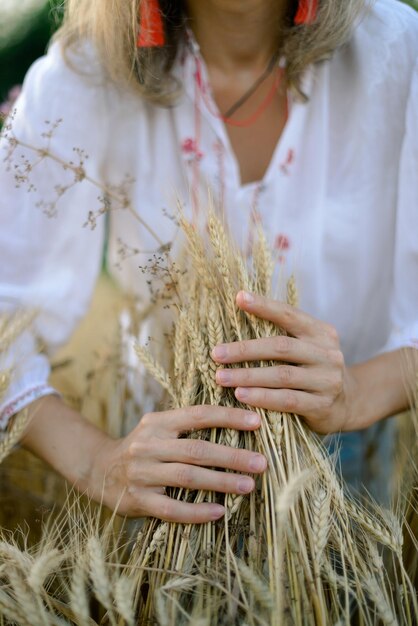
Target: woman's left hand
{"x": 311, "y": 378}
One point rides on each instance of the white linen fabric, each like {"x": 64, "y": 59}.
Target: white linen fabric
{"x": 339, "y": 199}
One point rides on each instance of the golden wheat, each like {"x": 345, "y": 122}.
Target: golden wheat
{"x": 297, "y": 551}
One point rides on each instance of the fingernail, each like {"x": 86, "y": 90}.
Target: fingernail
{"x": 242, "y": 393}
{"x": 219, "y": 352}
{"x": 217, "y": 511}
{"x": 247, "y": 297}
{"x": 252, "y": 419}
{"x": 245, "y": 484}
{"x": 258, "y": 463}
{"x": 223, "y": 376}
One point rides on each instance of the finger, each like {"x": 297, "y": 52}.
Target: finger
{"x": 281, "y": 348}
{"x": 292, "y": 320}
{"x": 200, "y": 417}
{"x": 170, "y": 510}
{"x": 205, "y": 453}
{"x": 284, "y": 400}
{"x": 279, "y": 377}
{"x": 193, "y": 477}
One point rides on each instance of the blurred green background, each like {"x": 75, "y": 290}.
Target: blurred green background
{"x": 25, "y": 28}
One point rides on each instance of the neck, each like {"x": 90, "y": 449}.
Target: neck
{"x": 233, "y": 34}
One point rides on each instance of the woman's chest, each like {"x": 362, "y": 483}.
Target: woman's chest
{"x": 325, "y": 213}
{"x": 327, "y": 202}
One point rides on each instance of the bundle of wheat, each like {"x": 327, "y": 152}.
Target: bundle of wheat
{"x": 298, "y": 550}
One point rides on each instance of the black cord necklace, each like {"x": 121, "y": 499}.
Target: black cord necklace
{"x": 238, "y": 104}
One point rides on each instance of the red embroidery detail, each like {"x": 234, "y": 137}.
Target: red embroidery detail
{"x": 199, "y": 80}
{"x": 188, "y": 145}
{"x": 32, "y": 394}
{"x": 282, "y": 242}
{"x": 284, "y": 167}
{"x": 189, "y": 148}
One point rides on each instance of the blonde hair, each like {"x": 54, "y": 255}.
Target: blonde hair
{"x": 112, "y": 26}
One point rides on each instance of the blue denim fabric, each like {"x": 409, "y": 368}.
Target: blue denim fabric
{"x": 366, "y": 459}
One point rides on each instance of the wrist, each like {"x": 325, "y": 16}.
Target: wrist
{"x": 98, "y": 477}
{"x": 378, "y": 389}
{"x": 354, "y": 405}
{"x": 68, "y": 442}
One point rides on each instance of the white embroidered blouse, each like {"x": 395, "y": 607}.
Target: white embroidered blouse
{"x": 339, "y": 199}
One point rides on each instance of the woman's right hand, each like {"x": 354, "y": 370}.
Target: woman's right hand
{"x": 132, "y": 473}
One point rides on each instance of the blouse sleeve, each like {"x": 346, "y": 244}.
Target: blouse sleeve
{"x": 404, "y": 314}
{"x": 48, "y": 261}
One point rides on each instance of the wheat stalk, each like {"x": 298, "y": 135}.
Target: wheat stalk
{"x": 8, "y": 442}
{"x": 155, "y": 369}
{"x": 5, "y": 379}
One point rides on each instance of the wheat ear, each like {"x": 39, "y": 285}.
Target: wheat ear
{"x": 263, "y": 263}
{"x": 378, "y": 597}
{"x": 78, "y": 593}
{"x": 98, "y": 574}
{"x": 155, "y": 369}
{"x": 11, "y": 610}
{"x": 259, "y": 589}
{"x": 215, "y": 337}
{"x": 43, "y": 567}
{"x": 221, "y": 247}
{"x": 292, "y": 292}
{"x": 12, "y": 438}
{"x": 124, "y": 594}
{"x": 321, "y": 522}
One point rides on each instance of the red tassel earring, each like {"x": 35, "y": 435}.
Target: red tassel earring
{"x": 307, "y": 12}
{"x": 151, "y": 34}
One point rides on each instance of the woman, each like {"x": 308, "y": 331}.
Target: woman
{"x": 299, "y": 116}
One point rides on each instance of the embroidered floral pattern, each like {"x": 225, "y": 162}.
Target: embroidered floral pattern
{"x": 190, "y": 149}
{"x": 282, "y": 245}
{"x": 282, "y": 242}
{"x": 289, "y": 160}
